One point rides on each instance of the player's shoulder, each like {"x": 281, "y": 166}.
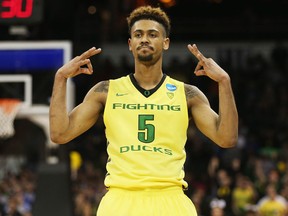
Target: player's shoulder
{"x": 121, "y": 79}
{"x": 120, "y": 82}
{"x": 191, "y": 91}
{"x": 102, "y": 86}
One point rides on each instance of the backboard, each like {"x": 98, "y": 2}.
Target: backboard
{"x": 24, "y": 65}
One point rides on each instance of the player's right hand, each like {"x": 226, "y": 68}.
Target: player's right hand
{"x": 79, "y": 65}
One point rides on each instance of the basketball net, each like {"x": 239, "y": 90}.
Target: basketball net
{"x": 8, "y": 111}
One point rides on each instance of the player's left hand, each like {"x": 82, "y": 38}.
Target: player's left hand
{"x": 207, "y": 66}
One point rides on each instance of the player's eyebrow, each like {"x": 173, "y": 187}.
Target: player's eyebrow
{"x": 149, "y": 30}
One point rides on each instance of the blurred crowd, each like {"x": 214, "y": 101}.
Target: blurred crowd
{"x": 250, "y": 179}
{"x": 17, "y": 192}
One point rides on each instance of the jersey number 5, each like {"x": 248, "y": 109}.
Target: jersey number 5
{"x": 146, "y": 130}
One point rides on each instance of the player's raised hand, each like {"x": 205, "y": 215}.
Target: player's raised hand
{"x": 207, "y": 66}
{"x": 79, "y": 65}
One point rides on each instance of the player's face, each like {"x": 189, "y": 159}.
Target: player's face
{"x": 147, "y": 41}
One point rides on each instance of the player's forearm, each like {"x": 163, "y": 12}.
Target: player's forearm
{"x": 227, "y": 124}
{"x": 58, "y": 115}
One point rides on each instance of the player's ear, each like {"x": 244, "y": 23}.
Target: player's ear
{"x": 129, "y": 44}
{"x": 166, "y": 43}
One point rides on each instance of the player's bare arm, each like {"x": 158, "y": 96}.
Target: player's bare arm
{"x": 222, "y": 128}
{"x": 200, "y": 111}
{"x": 85, "y": 115}
{"x": 64, "y": 126}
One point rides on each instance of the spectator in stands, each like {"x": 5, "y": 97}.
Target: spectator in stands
{"x": 243, "y": 195}
{"x": 217, "y": 207}
{"x": 272, "y": 203}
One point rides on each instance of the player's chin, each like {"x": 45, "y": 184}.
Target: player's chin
{"x": 145, "y": 58}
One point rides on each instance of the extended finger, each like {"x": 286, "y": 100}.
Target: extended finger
{"x": 83, "y": 63}
{"x": 92, "y": 51}
{"x": 195, "y": 51}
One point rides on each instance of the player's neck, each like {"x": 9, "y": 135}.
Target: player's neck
{"x": 148, "y": 76}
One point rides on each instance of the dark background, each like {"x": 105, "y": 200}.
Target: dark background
{"x": 98, "y": 21}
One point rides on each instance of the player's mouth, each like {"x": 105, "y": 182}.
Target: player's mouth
{"x": 145, "y": 47}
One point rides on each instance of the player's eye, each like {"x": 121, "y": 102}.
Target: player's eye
{"x": 137, "y": 35}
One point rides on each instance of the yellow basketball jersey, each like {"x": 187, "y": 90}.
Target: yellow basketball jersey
{"x": 146, "y": 133}
{"x": 273, "y": 208}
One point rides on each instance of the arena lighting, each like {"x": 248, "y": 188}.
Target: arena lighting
{"x": 168, "y": 3}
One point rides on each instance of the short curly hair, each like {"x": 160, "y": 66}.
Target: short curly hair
{"x": 149, "y": 13}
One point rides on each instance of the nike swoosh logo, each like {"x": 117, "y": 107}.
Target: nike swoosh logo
{"x": 121, "y": 94}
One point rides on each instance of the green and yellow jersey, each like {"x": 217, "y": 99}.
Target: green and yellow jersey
{"x": 146, "y": 133}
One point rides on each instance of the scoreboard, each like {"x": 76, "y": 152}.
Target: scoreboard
{"x": 21, "y": 11}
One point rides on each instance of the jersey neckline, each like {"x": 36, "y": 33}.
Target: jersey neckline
{"x": 146, "y": 92}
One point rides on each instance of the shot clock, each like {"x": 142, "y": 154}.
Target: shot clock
{"x": 20, "y": 12}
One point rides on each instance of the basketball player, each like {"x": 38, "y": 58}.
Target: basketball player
{"x": 146, "y": 116}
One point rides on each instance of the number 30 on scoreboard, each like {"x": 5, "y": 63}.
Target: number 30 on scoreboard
{"x": 20, "y": 11}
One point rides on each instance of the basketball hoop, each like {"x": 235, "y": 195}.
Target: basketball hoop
{"x": 8, "y": 111}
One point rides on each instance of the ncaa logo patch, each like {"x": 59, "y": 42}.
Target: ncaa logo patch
{"x": 171, "y": 87}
